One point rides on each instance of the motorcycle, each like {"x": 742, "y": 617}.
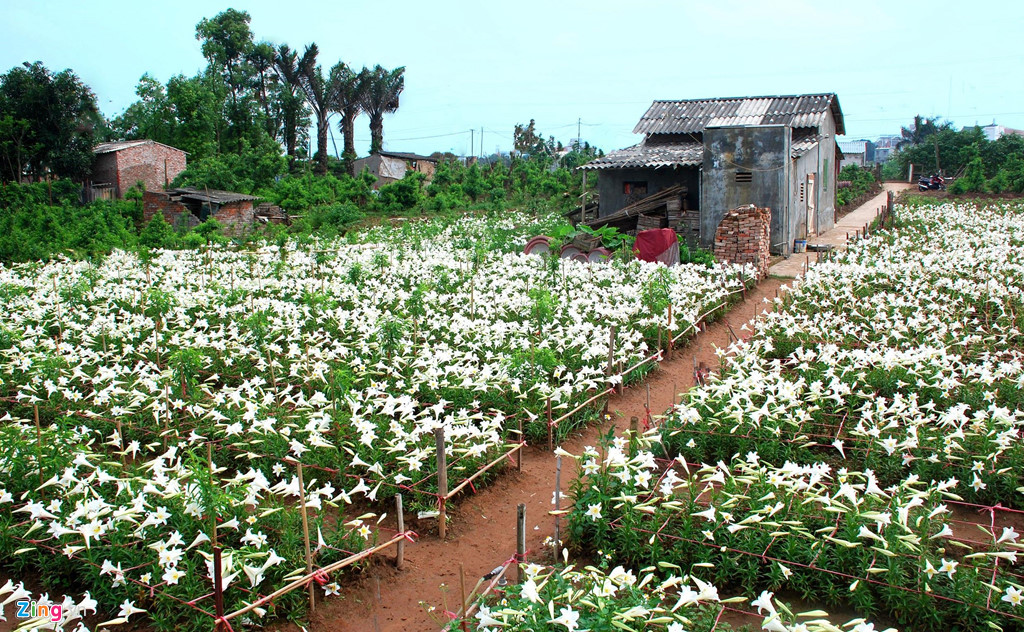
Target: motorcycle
{"x": 934, "y": 183}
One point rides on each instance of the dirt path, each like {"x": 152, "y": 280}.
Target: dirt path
{"x": 482, "y": 535}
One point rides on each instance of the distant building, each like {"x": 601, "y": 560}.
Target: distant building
{"x": 857, "y": 152}
{"x": 776, "y": 152}
{"x": 120, "y": 165}
{"x": 391, "y": 166}
{"x": 885, "y": 146}
{"x": 188, "y": 207}
{"x": 995, "y": 132}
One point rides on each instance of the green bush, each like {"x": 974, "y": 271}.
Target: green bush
{"x": 861, "y": 181}
{"x": 973, "y": 180}
{"x": 158, "y": 233}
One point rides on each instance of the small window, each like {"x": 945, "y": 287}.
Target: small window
{"x": 744, "y": 176}
{"x": 801, "y": 191}
{"x": 634, "y": 188}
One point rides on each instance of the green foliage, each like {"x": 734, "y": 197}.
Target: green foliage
{"x": 32, "y": 228}
{"x": 328, "y": 220}
{"x": 252, "y": 168}
{"x": 973, "y": 180}
{"x": 1010, "y": 178}
{"x": 861, "y": 181}
{"x": 407, "y": 193}
{"x": 47, "y": 123}
{"x": 158, "y": 233}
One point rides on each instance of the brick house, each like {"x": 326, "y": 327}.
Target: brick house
{"x": 187, "y": 207}
{"x": 391, "y": 166}
{"x": 119, "y": 165}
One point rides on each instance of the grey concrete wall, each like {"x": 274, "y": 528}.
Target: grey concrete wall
{"x": 764, "y": 152}
{"x": 829, "y": 171}
{"x": 802, "y": 167}
{"x": 610, "y": 181}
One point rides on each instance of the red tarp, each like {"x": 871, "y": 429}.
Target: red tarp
{"x": 657, "y": 245}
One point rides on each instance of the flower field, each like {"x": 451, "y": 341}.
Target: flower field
{"x": 862, "y": 449}
{"x": 156, "y": 407}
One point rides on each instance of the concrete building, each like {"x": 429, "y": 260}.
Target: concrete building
{"x": 391, "y": 166}
{"x": 188, "y": 207}
{"x": 775, "y": 152}
{"x": 857, "y": 152}
{"x": 995, "y": 132}
{"x": 885, "y": 146}
{"x": 120, "y": 165}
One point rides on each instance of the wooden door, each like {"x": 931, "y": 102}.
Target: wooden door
{"x": 811, "y": 197}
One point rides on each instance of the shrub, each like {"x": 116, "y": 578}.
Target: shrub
{"x": 973, "y": 180}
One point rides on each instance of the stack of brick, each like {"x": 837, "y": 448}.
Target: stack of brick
{"x": 743, "y": 236}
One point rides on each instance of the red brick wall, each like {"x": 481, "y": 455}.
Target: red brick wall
{"x": 153, "y": 164}
{"x": 237, "y": 217}
{"x": 743, "y": 236}
{"x": 154, "y": 202}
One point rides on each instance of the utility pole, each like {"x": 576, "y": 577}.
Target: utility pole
{"x": 579, "y": 133}
{"x": 472, "y": 143}
{"x": 481, "y": 142}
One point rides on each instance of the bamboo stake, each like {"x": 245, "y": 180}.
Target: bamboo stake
{"x": 213, "y": 518}
{"x": 520, "y": 541}
{"x": 305, "y": 537}
{"x": 551, "y": 428}
{"x": 39, "y": 441}
{"x": 519, "y": 452}
{"x": 218, "y": 588}
{"x": 442, "y": 483}
{"x": 306, "y": 579}
{"x": 670, "y": 330}
{"x": 462, "y": 587}
{"x": 558, "y": 505}
{"x": 400, "y": 553}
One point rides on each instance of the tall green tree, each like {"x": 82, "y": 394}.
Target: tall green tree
{"x": 352, "y": 86}
{"x": 226, "y": 43}
{"x": 291, "y": 100}
{"x": 48, "y": 123}
{"x": 320, "y": 93}
{"x": 381, "y": 97}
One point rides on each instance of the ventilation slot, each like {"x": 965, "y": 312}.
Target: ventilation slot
{"x": 744, "y": 176}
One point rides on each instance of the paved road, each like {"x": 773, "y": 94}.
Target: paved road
{"x": 848, "y": 225}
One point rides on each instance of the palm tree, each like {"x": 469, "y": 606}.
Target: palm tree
{"x": 380, "y": 98}
{"x": 351, "y": 88}
{"x": 320, "y": 94}
{"x": 286, "y": 63}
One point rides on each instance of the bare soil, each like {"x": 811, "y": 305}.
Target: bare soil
{"x": 482, "y": 532}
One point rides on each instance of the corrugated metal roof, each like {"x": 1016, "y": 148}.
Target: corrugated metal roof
{"x": 211, "y": 195}
{"x": 407, "y": 156}
{"x": 853, "y": 146}
{"x": 686, "y": 154}
{"x": 105, "y": 148}
{"x": 802, "y": 146}
{"x": 691, "y": 116}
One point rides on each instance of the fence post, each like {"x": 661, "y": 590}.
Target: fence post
{"x": 522, "y": 442}
{"x": 39, "y": 442}
{"x": 611, "y": 359}
{"x": 218, "y": 591}
{"x": 305, "y": 538}
{"x": 442, "y": 483}
{"x": 520, "y": 541}
{"x": 400, "y": 553}
{"x": 558, "y": 505}
{"x": 551, "y": 427}
{"x": 669, "y": 352}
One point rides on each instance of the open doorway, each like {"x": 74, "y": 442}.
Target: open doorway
{"x": 810, "y": 225}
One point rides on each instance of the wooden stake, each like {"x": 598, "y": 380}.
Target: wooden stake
{"x": 305, "y": 538}
{"x": 520, "y": 541}
{"x": 218, "y": 589}
{"x": 462, "y": 588}
{"x": 519, "y": 452}
{"x": 400, "y": 554}
{"x": 442, "y": 483}
{"x": 39, "y": 442}
{"x": 558, "y": 505}
{"x": 551, "y": 427}
{"x": 670, "y": 331}
{"x": 213, "y": 518}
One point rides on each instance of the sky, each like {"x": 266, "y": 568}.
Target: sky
{"x": 589, "y": 66}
